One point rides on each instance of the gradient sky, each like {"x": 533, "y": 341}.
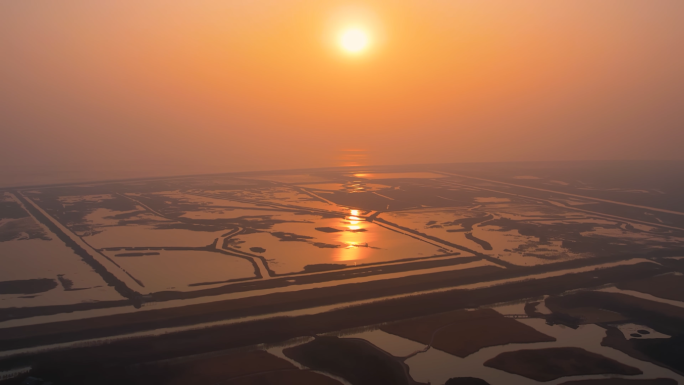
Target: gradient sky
{"x": 113, "y": 89}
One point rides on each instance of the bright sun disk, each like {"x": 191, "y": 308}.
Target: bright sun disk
{"x": 354, "y": 40}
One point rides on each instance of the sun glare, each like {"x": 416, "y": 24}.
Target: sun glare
{"x": 354, "y": 40}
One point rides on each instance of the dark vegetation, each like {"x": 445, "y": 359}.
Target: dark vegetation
{"x": 622, "y": 381}
{"x": 599, "y": 179}
{"x": 570, "y": 235}
{"x": 552, "y": 363}
{"x": 67, "y": 284}
{"x": 365, "y": 290}
{"x": 466, "y": 223}
{"x": 167, "y": 212}
{"x": 555, "y": 318}
{"x": 666, "y": 352}
{"x": 664, "y": 318}
{"x": 322, "y": 245}
{"x": 462, "y": 332}
{"x": 108, "y": 277}
{"x": 11, "y": 210}
{"x": 27, "y": 286}
{"x": 275, "y": 283}
{"x": 466, "y": 381}
{"x": 240, "y": 367}
{"x": 355, "y": 360}
{"x": 323, "y": 267}
{"x": 74, "y": 215}
{"x": 269, "y": 330}
{"x": 452, "y": 245}
{"x": 328, "y": 230}
{"x": 21, "y": 225}
{"x": 102, "y": 360}
{"x": 485, "y": 245}
{"x": 290, "y": 237}
{"x": 24, "y": 228}
{"x": 668, "y": 286}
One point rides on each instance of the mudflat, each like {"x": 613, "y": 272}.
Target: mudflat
{"x": 275, "y": 329}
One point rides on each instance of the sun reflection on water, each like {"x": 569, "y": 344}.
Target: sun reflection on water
{"x": 355, "y": 238}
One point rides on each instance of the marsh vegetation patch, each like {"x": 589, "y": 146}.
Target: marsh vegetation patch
{"x": 463, "y": 332}
{"x": 550, "y": 364}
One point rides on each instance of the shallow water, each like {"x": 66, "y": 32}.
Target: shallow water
{"x": 394, "y": 345}
{"x": 629, "y": 329}
{"x": 355, "y": 242}
{"x": 84, "y": 198}
{"x": 278, "y": 352}
{"x": 528, "y": 248}
{"x": 348, "y": 187}
{"x": 176, "y": 269}
{"x": 246, "y": 294}
{"x": 437, "y": 366}
{"x": 308, "y": 311}
{"x": 38, "y": 258}
{"x": 508, "y": 245}
{"x": 108, "y": 264}
{"x": 149, "y": 236}
{"x": 284, "y": 197}
{"x": 207, "y": 198}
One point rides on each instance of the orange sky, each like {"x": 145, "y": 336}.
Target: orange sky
{"x": 126, "y": 88}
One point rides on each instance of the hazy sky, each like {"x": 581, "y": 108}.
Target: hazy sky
{"x": 132, "y": 88}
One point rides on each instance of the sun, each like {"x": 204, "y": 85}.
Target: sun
{"x": 354, "y": 40}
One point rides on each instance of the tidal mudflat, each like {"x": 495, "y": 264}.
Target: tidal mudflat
{"x": 38, "y": 269}
{"x": 439, "y": 274}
